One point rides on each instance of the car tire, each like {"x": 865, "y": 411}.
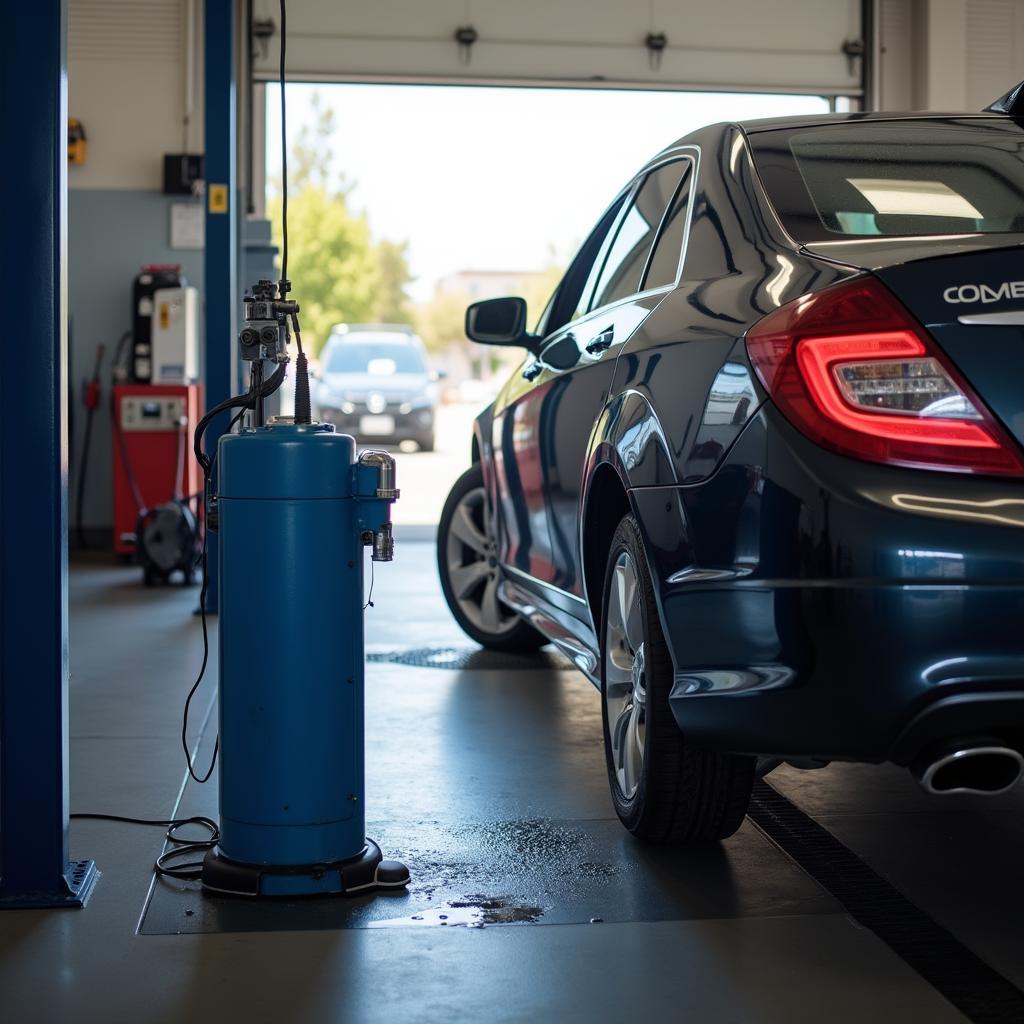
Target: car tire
{"x": 425, "y": 443}
{"x": 665, "y": 789}
{"x": 467, "y": 565}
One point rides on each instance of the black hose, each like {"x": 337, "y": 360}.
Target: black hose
{"x": 83, "y": 466}
{"x": 179, "y": 462}
{"x": 126, "y": 462}
{"x": 90, "y": 412}
{"x": 246, "y": 401}
{"x": 303, "y": 408}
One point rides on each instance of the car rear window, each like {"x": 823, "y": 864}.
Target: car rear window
{"x": 904, "y": 177}
{"x": 378, "y": 360}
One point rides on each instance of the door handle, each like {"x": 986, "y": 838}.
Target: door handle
{"x": 533, "y": 371}
{"x": 602, "y": 341}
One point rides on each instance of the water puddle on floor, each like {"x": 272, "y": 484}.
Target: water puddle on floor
{"x": 469, "y": 912}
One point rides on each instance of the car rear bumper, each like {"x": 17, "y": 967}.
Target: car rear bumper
{"x": 411, "y": 426}
{"x": 828, "y": 608}
{"x": 843, "y": 672}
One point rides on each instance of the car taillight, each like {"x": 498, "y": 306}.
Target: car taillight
{"x": 852, "y": 370}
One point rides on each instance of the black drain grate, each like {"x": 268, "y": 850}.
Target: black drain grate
{"x": 970, "y": 984}
{"x": 475, "y": 659}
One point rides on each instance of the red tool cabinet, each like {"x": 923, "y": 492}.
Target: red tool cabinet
{"x": 153, "y": 428}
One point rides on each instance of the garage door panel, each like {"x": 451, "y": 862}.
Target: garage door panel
{"x": 784, "y": 45}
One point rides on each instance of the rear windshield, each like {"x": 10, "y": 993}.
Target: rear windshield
{"x": 872, "y": 178}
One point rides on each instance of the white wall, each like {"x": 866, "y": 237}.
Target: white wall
{"x": 127, "y": 73}
{"x": 949, "y": 55}
{"x": 128, "y": 63}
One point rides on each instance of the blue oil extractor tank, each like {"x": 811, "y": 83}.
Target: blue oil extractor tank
{"x": 295, "y": 510}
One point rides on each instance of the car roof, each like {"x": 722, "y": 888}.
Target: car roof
{"x": 770, "y": 124}
{"x": 375, "y": 338}
{"x": 709, "y": 132}
{"x": 383, "y": 337}
{"x": 373, "y": 329}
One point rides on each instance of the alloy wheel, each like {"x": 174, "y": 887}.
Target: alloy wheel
{"x": 625, "y": 685}
{"x": 472, "y": 565}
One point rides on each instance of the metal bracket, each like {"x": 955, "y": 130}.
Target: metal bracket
{"x": 80, "y": 880}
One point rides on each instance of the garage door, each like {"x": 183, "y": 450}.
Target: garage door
{"x": 761, "y": 45}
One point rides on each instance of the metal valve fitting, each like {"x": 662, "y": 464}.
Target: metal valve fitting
{"x": 383, "y": 539}
{"x": 383, "y": 544}
{"x": 385, "y": 466}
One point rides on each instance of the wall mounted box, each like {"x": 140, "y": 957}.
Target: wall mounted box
{"x": 181, "y": 173}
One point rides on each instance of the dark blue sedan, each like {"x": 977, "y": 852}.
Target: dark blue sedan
{"x": 760, "y": 474}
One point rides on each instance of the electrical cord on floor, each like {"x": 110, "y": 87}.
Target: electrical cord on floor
{"x": 168, "y": 862}
{"x": 202, "y": 672}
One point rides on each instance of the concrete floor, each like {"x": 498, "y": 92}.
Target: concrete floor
{"x": 491, "y": 784}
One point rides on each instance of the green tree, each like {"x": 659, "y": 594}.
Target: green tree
{"x": 537, "y": 289}
{"x": 392, "y": 299}
{"x": 441, "y": 321}
{"x": 332, "y": 261}
{"x": 311, "y": 154}
{"x": 340, "y": 274}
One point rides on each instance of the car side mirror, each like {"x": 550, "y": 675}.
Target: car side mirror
{"x": 498, "y": 322}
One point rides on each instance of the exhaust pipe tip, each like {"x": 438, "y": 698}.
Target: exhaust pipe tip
{"x": 987, "y": 769}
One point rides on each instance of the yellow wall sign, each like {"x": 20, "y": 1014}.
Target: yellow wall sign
{"x": 218, "y": 198}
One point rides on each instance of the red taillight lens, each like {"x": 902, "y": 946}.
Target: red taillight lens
{"x": 850, "y": 368}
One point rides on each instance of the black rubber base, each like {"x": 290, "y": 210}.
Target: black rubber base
{"x": 356, "y": 876}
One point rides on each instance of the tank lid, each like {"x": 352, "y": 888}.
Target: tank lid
{"x": 286, "y": 460}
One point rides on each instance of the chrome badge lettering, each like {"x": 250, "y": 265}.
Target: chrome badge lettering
{"x": 984, "y": 292}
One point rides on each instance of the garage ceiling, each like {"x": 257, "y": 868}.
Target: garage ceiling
{"x": 742, "y": 45}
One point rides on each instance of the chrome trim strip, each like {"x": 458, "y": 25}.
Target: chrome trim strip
{"x": 580, "y": 656}
{"x": 575, "y": 650}
{"x": 542, "y": 583}
{"x": 997, "y": 510}
{"x": 696, "y": 575}
{"x": 1007, "y": 318}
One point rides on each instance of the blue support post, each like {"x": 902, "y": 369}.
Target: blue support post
{"x": 221, "y": 277}
{"x": 34, "y": 866}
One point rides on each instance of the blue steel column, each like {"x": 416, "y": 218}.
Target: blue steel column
{"x": 34, "y": 866}
{"x": 221, "y": 276}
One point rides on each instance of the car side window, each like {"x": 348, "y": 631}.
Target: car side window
{"x": 576, "y": 285}
{"x": 664, "y": 263}
{"x": 583, "y": 303}
{"x": 627, "y": 255}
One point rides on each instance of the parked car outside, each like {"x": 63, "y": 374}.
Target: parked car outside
{"x": 760, "y": 473}
{"x": 375, "y": 385}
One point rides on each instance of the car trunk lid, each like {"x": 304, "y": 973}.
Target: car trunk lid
{"x": 972, "y": 304}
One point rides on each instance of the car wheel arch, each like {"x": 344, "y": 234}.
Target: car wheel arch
{"x": 606, "y": 502}
{"x": 614, "y": 466}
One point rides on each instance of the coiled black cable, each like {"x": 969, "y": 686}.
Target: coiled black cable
{"x": 166, "y": 863}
